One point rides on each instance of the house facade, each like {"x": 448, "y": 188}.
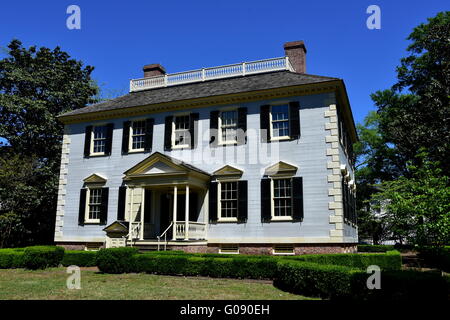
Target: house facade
{"x": 252, "y": 158}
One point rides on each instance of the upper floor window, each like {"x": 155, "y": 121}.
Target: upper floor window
{"x": 98, "y": 140}
{"x": 137, "y": 140}
{"x": 181, "y": 131}
{"x": 228, "y": 126}
{"x": 280, "y": 122}
{"x": 98, "y": 144}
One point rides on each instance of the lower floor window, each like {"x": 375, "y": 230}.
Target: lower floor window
{"x": 95, "y": 201}
{"x": 229, "y": 199}
{"x": 282, "y": 197}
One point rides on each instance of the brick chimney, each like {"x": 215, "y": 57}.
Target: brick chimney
{"x": 296, "y": 51}
{"x": 152, "y": 70}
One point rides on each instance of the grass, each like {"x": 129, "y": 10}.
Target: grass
{"x": 50, "y": 284}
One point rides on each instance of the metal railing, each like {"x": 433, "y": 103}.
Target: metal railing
{"x": 205, "y": 74}
{"x": 164, "y": 234}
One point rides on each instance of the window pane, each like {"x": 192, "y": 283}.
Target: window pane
{"x": 228, "y": 199}
{"x": 182, "y": 130}
{"x": 99, "y": 134}
{"x": 280, "y": 121}
{"x": 282, "y": 190}
{"x": 138, "y": 135}
{"x": 95, "y": 200}
{"x": 229, "y": 125}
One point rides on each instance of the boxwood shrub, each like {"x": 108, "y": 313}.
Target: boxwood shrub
{"x": 41, "y": 257}
{"x": 374, "y": 248}
{"x": 116, "y": 260}
{"x": 11, "y": 258}
{"x": 437, "y": 257}
{"x": 79, "y": 258}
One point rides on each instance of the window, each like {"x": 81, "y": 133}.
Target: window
{"x": 229, "y": 249}
{"x": 94, "y": 205}
{"x": 228, "y": 200}
{"x": 279, "y": 122}
{"x": 283, "y": 249}
{"x": 137, "y": 141}
{"x": 181, "y": 133}
{"x": 228, "y": 126}
{"x": 282, "y": 199}
{"x": 98, "y": 140}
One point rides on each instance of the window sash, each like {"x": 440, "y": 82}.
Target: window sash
{"x": 228, "y": 126}
{"x": 137, "y": 141}
{"x": 279, "y": 122}
{"x": 228, "y": 200}
{"x": 94, "y": 203}
{"x": 181, "y": 130}
{"x": 282, "y": 198}
{"x": 98, "y": 142}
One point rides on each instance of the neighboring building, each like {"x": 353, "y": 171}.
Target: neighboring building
{"x": 248, "y": 158}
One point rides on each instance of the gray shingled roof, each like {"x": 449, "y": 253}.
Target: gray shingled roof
{"x": 204, "y": 89}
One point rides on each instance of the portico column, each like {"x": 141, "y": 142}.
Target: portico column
{"x": 186, "y": 215}
{"x": 174, "y": 226}
{"x": 141, "y": 235}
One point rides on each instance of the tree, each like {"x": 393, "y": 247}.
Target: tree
{"x": 411, "y": 116}
{"x": 36, "y": 85}
{"x": 417, "y": 208}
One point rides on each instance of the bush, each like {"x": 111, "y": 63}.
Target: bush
{"x": 116, "y": 260}
{"x": 390, "y": 260}
{"x": 374, "y": 248}
{"x": 79, "y": 258}
{"x": 436, "y": 256}
{"x": 41, "y": 257}
{"x": 312, "y": 279}
{"x": 11, "y": 258}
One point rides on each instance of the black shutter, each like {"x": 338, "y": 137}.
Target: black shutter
{"x": 121, "y": 203}
{"x": 294, "y": 114}
{"x": 193, "y": 129}
{"x": 297, "y": 192}
{"x": 213, "y": 202}
{"x": 266, "y": 208}
{"x": 147, "y": 206}
{"x": 168, "y": 134}
{"x": 242, "y": 126}
{"x": 82, "y": 209}
{"x": 148, "y": 143}
{"x": 242, "y": 201}
{"x": 265, "y": 123}
{"x": 104, "y": 206}
{"x": 214, "y": 128}
{"x": 126, "y": 136}
{"x": 87, "y": 141}
{"x": 109, "y": 137}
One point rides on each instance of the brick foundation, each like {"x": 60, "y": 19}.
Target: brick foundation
{"x": 79, "y": 245}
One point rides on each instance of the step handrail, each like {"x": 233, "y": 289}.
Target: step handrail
{"x": 165, "y": 237}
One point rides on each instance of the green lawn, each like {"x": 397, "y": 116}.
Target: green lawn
{"x": 51, "y": 284}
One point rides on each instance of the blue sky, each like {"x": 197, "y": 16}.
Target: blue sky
{"x": 119, "y": 37}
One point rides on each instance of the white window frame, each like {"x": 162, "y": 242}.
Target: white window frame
{"x": 228, "y": 252}
{"x": 88, "y": 203}
{"x": 180, "y": 146}
{"x": 275, "y": 253}
{"x": 130, "y": 141}
{"x": 219, "y": 201}
{"x": 220, "y": 133}
{"x": 272, "y": 199}
{"x": 91, "y": 151}
{"x": 280, "y": 138}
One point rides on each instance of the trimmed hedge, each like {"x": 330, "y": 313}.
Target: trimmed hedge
{"x": 11, "y": 258}
{"x": 116, "y": 260}
{"x": 80, "y": 258}
{"x": 374, "y": 248}
{"x": 41, "y": 257}
{"x": 390, "y": 260}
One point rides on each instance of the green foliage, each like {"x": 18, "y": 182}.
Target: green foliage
{"x": 79, "y": 258}
{"x": 436, "y": 256}
{"x": 11, "y": 228}
{"x": 36, "y": 85}
{"x": 41, "y": 257}
{"x": 116, "y": 260}
{"x": 418, "y": 207}
{"x": 11, "y": 258}
{"x": 374, "y": 248}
